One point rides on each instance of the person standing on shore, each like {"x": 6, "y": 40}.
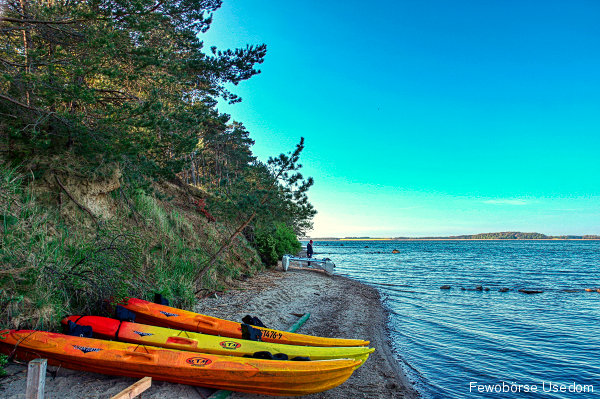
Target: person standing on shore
{"x": 309, "y": 250}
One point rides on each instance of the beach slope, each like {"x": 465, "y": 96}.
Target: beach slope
{"x": 339, "y": 307}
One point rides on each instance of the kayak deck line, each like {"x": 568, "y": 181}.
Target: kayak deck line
{"x": 270, "y": 377}
{"x": 165, "y": 316}
{"x": 107, "y": 328}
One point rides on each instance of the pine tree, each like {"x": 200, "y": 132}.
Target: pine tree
{"x": 113, "y": 80}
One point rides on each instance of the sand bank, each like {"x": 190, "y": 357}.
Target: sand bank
{"x": 339, "y": 307}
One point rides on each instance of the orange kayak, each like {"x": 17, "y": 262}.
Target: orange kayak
{"x": 104, "y": 327}
{"x": 268, "y": 377}
{"x": 165, "y": 316}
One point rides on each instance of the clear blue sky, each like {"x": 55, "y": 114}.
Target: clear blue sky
{"x": 429, "y": 117}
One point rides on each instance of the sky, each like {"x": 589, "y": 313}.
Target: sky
{"x": 428, "y": 117}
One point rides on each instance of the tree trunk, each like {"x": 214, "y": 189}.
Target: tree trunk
{"x": 224, "y": 247}
{"x": 26, "y": 48}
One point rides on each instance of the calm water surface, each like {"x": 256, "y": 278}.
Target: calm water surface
{"x": 449, "y": 340}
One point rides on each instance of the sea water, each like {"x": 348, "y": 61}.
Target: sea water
{"x": 475, "y": 343}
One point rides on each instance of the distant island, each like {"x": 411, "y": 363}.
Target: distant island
{"x": 504, "y": 235}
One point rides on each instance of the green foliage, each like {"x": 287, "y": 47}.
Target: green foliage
{"x": 130, "y": 82}
{"x": 265, "y": 244}
{"x": 3, "y": 363}
{"x": 88, "y": 84}
{"x": 124, "y": 81}
{"x": 173, "y": 272}
{"x": 269, "y": 194}
{"x": 273, "y": 243}
{"x": 154, "y": 215}
{"x": 289, "y": 202}
{"x": 49, "y": 268}
{"x": 179, "y": 223}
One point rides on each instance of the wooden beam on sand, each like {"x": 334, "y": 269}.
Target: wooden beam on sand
{"x": 135, "y": 389}
{"x": 36, "y": 379}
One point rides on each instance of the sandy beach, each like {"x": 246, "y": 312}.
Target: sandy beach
{"x": 339, "y": 307}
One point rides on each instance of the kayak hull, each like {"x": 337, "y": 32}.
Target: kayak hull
{"x": 104, "y": 327}
{"x": 166, "y": 316}
{"x": 268, "y": 377}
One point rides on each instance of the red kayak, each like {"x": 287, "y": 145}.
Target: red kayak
{"x": 106, "y": 328}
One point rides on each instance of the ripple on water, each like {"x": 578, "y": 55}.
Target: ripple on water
{"x": 450, "y": 338}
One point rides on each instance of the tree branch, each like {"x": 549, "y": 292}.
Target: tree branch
{"x": 20, "y": 104}
{"x": 284, "y": 167}
{"x": 41, "y": 111}
{"x": 42, "y": 22}
{"x": 75, "y": 201}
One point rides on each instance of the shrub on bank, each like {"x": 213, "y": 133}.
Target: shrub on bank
{"x": 3, "y": 362}
{"x": 273, "y": 243}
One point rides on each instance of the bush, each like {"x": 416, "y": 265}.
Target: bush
{"x": 275, "y": 242}
{"x": 3, "y": 362}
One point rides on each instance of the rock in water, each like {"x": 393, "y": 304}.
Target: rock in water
{"x": 445, "y": 287}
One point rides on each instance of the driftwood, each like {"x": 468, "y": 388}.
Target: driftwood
{"x": 135, "y": 389}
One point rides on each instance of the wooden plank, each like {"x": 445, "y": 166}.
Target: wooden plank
{"x": 36, "y": 379}
{"x": 135, "y": 389}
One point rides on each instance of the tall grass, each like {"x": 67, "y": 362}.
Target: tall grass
{"x": 52, "y": 265}
{"x": 48, "y": 269}
{"x": 154, "y": 215}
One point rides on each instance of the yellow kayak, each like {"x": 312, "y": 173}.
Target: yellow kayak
{"x": 104, "y": 327}
{"x": 166, "y": 316}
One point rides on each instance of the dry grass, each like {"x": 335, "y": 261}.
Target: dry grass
{"x": 53, "y": 264}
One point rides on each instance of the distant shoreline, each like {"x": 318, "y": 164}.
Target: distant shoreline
{"x": 449, "y": 239}
{"x": 495, "y": 236}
